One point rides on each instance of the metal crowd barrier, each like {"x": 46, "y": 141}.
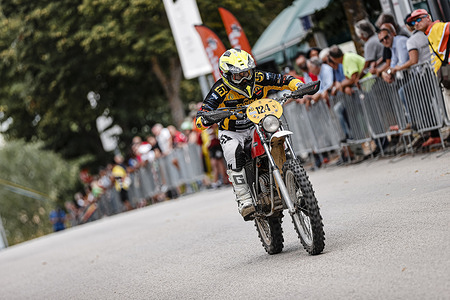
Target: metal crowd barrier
{"x": 413, "y": 103}
{"x": 183, "y": 166}
{"x": 324, "y": 126}
{"x": 299, "y": 123}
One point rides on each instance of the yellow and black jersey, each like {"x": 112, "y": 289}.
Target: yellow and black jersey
{"x": 221, "y": 95}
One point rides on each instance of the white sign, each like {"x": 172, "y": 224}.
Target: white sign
{"x": 109, "y": 136}
{"x": 183, "y": 15}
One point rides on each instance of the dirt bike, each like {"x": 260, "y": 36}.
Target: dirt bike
{"x": 276, "y": 176}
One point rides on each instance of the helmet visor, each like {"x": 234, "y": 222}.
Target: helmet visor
{"x": 239, "y": 77}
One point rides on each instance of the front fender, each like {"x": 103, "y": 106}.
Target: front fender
{"x": 281, "y": 133}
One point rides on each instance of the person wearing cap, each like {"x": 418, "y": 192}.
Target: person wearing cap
{"x": 417, "y": 46}
{"x": 437, "y": 32}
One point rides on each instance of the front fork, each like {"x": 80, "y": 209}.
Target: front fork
{"x": 277, "y": 174}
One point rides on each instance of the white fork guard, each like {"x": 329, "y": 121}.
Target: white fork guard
{"x": 281, "y": 133}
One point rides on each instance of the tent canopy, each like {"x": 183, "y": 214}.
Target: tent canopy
{"x": 286, "y": 31}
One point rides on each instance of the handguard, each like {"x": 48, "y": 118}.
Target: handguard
{"x": 211, "y": 117}
{"x": 306, "y": 89}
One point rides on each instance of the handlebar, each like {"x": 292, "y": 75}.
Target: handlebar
{"x": 225, "y": 112}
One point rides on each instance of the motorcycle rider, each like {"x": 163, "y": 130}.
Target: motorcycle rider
{"x": 241, "y": 84}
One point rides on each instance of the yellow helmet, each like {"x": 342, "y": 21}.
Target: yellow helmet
{"x": 237, "y": 68}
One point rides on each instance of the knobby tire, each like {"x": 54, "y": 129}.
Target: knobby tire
{"x": 307, "y": 217}
{"x": 270, "y": 232}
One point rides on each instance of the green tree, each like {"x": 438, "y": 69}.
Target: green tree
{"x": 32, "y": 183}
{"x": 54, "y": 53}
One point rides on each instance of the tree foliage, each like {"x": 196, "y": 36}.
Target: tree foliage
{"x": 53, "y": 53}
{"x": 32, "y": 183}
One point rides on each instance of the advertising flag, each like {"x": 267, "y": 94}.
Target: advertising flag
{"x": 182, "y": 15}
{"x": 236, "y": 34}
{"x": 213, "y": 46}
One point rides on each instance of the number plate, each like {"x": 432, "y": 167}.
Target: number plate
{"x": 261, "y": 108}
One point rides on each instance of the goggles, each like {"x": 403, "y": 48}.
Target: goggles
{"x": 239, "y": 77}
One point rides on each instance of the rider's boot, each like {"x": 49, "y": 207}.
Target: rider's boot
{"x": 242, "y": 192}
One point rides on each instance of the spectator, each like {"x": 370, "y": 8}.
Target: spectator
{"x": 218, "y": 167}
{"x": 288, "y": 70}
{"x": 300, "y": 61}
{"x": 105, "y": 183}
{"x": 400, "y": 56}
{"x": 187, "y": 127}
{"x": 373, "y": 49}
{"x": 324, "y": 73}
{"x": 437, "y": 33}
{"x": 72, "y": 213}
{"x": 313, "y": 52}
{"x": 58, "y": 218}
{"x": 385, "y": 62}
{"x": 388, "y": 18}
{"x": 79, "y": 201}
{"x": 417, "y": 46}
{"x": 178, "y": 138}
{"x": 397, "y": 44}
{"x": 155, "y": 146}
{"x": 121, "y": 180}
{"x": 352, "y": 65}
{"x": 338, "y": 72}
{"x": 163, "y": 137}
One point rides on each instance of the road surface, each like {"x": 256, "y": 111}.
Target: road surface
{"x": 387, "y": 237}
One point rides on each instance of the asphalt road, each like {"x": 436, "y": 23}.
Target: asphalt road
{"x": 387, "y": 237}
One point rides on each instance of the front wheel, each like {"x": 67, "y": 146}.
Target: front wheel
{"x": 307, "y": 219}
{"x": 270, "y": 233}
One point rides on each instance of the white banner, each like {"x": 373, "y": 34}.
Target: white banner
{"x": 183, "y": 15}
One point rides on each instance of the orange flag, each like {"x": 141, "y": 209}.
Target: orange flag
{"x": 236, "y": 34}
{"x": 213, "y": 46}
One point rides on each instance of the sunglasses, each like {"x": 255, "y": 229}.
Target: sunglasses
{"x": 418, "y": 20}
{"x": 385, "y": 38}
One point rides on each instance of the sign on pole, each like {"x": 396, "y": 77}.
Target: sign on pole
{"x": 183, "y": 15}
{"x": 213, "y": 46}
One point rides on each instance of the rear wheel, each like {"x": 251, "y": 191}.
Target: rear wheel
{"x": 307, "y": 219}
{"x": 270, "y": 233}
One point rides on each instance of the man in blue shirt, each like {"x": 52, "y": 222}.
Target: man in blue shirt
{"x": 400, "y": 55}
{"x": 324, "y": 73}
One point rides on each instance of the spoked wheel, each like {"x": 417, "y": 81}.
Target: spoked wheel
{"x": 270, "y": 233}
{"x": 307, "y": 219}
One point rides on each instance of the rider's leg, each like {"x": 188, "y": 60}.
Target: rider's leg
{"x": 232, "y": 144}
{"x": 242, "y": 193}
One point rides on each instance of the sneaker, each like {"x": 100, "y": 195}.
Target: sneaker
{"x": 432, "y": 141}
{"x": 416, "y": 142}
